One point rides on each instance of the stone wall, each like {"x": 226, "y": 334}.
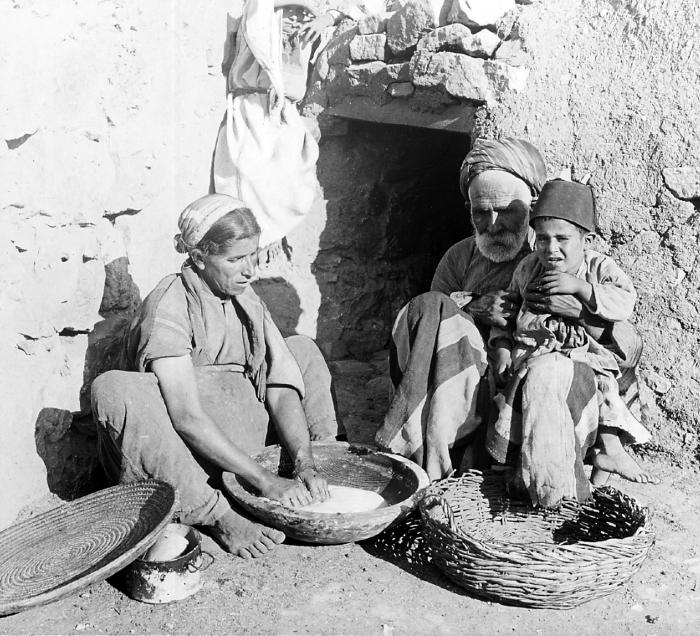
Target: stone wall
{"x": 424, "y": 63}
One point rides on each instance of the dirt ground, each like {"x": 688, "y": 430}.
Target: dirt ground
{"x": 386, "y": 586}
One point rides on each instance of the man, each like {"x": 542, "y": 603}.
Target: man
{"x": 439, "y": 356}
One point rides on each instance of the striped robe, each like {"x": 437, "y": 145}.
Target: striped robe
{"x": 437, "y": 360}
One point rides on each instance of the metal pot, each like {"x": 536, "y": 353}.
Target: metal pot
{"x": 168, "y": 581}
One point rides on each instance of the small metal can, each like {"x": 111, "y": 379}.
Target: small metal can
{"x": 168, "y": 581}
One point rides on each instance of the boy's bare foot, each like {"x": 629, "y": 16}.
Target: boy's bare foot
{"x": 241, "y": 537}
{"x": 622, "y": 464}
{"x": 599, "y": 477}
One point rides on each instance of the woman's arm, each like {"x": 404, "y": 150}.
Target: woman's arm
{"x": 178, "y": 386}
{"x": 287, "y": 413}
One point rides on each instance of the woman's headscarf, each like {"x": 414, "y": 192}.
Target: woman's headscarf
{"x": 199, "y": 216}
{"x": 516, "y": 156}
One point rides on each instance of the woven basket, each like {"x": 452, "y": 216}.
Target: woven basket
{"x": 507, "y": 551}
{"x": 398, "y": 480}
{"x": 61, "y": 551}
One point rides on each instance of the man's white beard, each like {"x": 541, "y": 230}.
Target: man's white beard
{"x": 501, "y": 247}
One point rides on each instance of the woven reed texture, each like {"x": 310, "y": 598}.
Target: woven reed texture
{"x": 505, "y": 550}
{"x": 399, "y": 481}
{"x": 61, "y": 551}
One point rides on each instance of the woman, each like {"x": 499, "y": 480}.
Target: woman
{"x": 207, "y": 372}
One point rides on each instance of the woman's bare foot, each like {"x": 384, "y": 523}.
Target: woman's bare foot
{"x": 241, "y": 537}
{"x": 622, "y": 464}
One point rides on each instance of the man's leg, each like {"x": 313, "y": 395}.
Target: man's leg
{"x": 318, "y": 403}
{"x": 437, "y": 360}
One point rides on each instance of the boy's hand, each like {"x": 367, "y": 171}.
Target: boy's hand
{"x": 499, "y": 358}
{"x": 556, "y": 283}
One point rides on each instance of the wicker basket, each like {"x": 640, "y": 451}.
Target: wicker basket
{"x": 507, "y": 551}
{"x": 398, "y": 480}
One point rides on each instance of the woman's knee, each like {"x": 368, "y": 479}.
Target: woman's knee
{"x": 106, "y": 393}
{"x": 109, "y": 394}
{"x": 305, "y": 351}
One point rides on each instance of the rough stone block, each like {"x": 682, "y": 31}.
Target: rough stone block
{"x": 477, "y": 14}
{"x": 363, "y": 74}
{"x": 400, "y": 89}
{"x": 511, "y": 52}
{"x": 505, "y": 78}
{"x": 369, "y": 80}
{"x": 457, "y": 38}
{"x": 460, "y": 75}
{"x": 400, "y": 72}
{"x": 408, "y": 25}
{"x": 368, "y": 47}
{"x": 683, "y": 182}
{"x": 373, "y": 24}
{"x": 657, "y": 382}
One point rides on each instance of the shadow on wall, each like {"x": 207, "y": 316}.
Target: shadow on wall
{"x": 65, "y": 440}
{"x": 393, "y": 209}
{"x": 282, "y": 301}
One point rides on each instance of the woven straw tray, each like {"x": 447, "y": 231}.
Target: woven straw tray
{"x": 505, "y": 550}
{"x": 61, "y": 551}
{"x": 398, "y": 480}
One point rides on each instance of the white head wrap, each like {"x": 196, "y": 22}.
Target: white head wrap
{"x": 199, "y": 216}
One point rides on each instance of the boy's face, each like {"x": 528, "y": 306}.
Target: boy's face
{"x": 559, "y": 244}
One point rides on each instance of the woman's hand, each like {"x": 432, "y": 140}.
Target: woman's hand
{"x": 315, "y": 484}
{"x": 494, "y": 308}
{"x": 289, "y": 492}
{"x": 312, "y": 30}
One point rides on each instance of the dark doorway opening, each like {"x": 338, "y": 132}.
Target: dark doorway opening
{"x": 393, "y": 209}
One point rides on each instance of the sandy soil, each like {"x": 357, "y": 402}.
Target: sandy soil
{"x": 386, "y": 586}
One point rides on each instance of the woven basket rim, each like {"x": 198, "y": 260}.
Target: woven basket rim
{"x": 531, "y": 573}
{"x": 644, "y": 531}
{"x": 238, "y": 492}
{"x": 76, "y": 580}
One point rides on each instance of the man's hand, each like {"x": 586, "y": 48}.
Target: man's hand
{"x": 552, "y": 282}
{"x": 289, "y": 492}
{"x": 564, "y": 305}
{"x": 315, "y": 483}
{"x": 312, "y": 30}
{"x": 495, "y": 308}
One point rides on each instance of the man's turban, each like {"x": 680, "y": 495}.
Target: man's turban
{"x": 515, "y": 156}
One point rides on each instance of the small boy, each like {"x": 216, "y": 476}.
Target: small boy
{"x": 563, "y": 220}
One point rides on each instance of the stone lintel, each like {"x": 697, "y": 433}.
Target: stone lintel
{"x": 455, "y": 118}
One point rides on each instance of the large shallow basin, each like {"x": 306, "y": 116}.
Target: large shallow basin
{"x": 399, "y": 481}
